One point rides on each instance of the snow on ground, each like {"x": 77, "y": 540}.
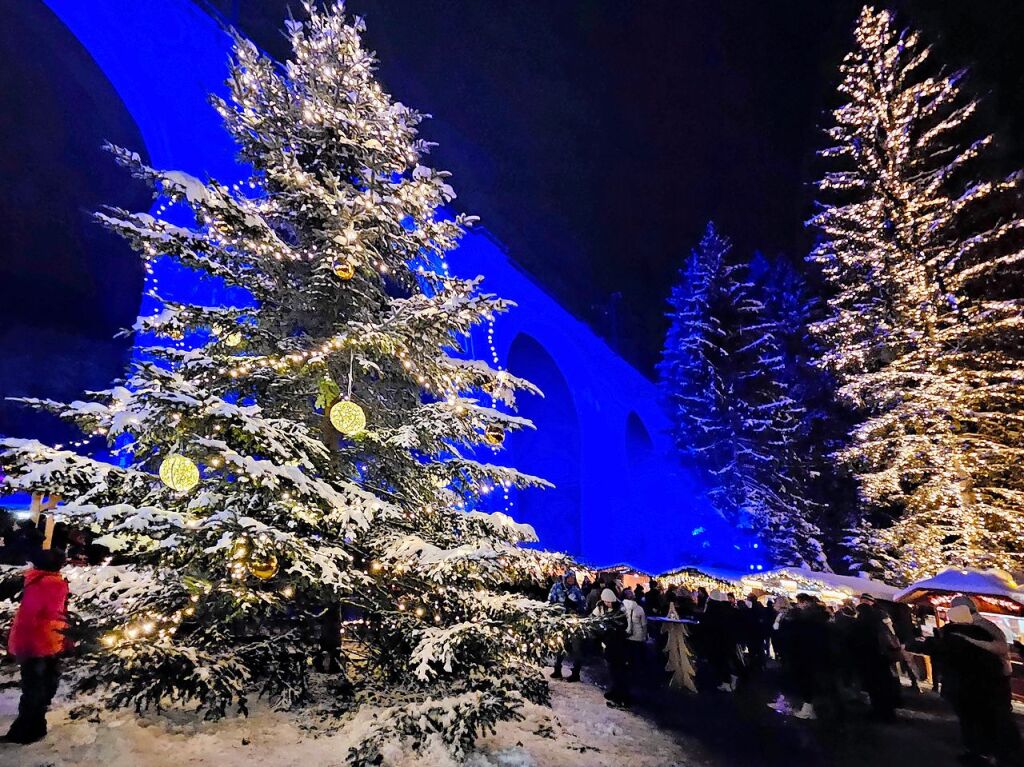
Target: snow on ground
{"x": 579, "y": 730}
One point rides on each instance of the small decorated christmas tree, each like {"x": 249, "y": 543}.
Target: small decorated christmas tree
{"x": 299, "y": 471}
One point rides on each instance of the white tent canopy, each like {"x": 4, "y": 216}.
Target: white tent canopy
{"x": 993, "y": 583}
{"x": 849, "y": 585}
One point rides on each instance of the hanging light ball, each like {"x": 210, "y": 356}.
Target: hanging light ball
{"x": 240, "y": 549}
{"x": 494, "y": 434}
{"x": 344, "y": 269}
{"x": 179, "y": 473}
{"x": 233, "y": 339}
{"x": 263, "y": 567}
{"x": 348, "y": 418}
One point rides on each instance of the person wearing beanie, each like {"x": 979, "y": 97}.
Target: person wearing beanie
{"x": 874, "y": 651}
{"x": 614, "y": 639}
{"x": 567, "y": 593}
{"x": 37, "y": 641}
{"x": 994, "y": 641}
{"x": 718, "y": 637}
{"x": 975, "y": 686}
{"x": 636, "y": 629}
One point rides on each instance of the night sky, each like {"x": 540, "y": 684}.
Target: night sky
{"x": 594, "y": 138}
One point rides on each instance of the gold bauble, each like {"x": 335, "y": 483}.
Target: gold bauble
{"x": 179, "y": 473}
{"x": 494, "y": 434}
{"x": 263, "y": 567}
{"x": 345, "y": 270}
{"x": 233, "y": 339}
{"x": 348, "y": 418}
{"x": 240, "y": 549}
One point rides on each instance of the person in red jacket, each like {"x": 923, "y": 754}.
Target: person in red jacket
{"x": 37, "y": 641}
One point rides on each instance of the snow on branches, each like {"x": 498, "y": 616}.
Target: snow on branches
{"x": 922, "y": 330}
{"x": 301, "y": 547}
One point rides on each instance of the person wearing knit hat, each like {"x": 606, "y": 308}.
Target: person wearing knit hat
{"x": 567, "y": 593}
{"x": 613, "y": 637}
{"x": 995, "y": 640}
{"x": 974, "y": 684}
{"x": 718, "y": 633}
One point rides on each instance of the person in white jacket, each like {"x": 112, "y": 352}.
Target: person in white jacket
{"x": 636, "y": 628}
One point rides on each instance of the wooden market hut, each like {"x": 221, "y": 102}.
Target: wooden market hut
{"x": 630, "y": 577}
{"x": 997, "y": 596}
{"x": 830, "y": 588}
{"x": 692, "y": 577}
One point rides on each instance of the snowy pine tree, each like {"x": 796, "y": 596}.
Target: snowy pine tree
{"x": 722, "y": 373}
{"x": 922, "y": 328}
{"x": 316, "y": 447}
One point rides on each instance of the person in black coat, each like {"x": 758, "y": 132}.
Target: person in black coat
{"x": 718, "y": 634}
{"x": 810, "y": 645}
{"x": 613, "y": 635}
{"x": 974, "y": 684}
{"x": 875, "y": 650}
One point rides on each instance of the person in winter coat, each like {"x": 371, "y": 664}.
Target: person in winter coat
{"x": 756, "y": 632}
{"x": 636, "y": 629}
{"x": 719, "y": 639}
{"x": 782, "y": 616}
{"x": 978, "y": 689}
{"x": 655, "y": 603}
{"x": 974, "y": 684}
{"x": 875, "y": 651}
{"x": 37, "y": 641}
{"x": 614, "y": 638}
{"x": 566, "y": 593}
{"x": 810, "y": 653}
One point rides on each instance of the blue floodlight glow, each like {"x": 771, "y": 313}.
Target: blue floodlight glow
{"x": 601, "y": 437}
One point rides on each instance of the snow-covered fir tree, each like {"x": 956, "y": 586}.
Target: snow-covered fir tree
{"x": 300, "y": 469}
{"x": 922, "y": 330}
{"x": 733, "y": 419}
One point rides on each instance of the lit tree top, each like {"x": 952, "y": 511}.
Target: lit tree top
{"x": 923, "y": 321}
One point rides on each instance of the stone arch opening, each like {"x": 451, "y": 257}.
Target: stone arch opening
{"x": 66, "y": 285}
{"x": 552, "y": 450}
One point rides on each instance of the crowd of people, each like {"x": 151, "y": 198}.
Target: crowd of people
{"x": 824, "y": 658}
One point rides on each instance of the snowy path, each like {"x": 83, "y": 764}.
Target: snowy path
{"x": 578, "y": 731}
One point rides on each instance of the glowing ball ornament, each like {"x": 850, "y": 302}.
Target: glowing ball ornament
{"x": 263, "y": 567}
{"x": 345, "y": 270}
{"x": 179, "y": 473}
{"x": 494, "y": 434}
{"x": 348, "y": 418}
{"x": 233, "y": 339}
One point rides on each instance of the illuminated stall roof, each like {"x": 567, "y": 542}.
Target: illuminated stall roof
{"x": 995, "y": 591}
{"x": 693, "y": 577}
{"x": 830, "y": 587}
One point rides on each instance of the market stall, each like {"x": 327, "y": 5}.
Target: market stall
{"x": 998, "y": 597}
{"x": 630, "y": 577}
{"x": 830, "y": 588}
{"x": 692, "y": 578}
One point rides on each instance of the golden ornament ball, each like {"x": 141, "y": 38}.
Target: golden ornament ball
{"x": 345, "y": 270}
{"x": 263, "y": 567}
{"x": 494, "y": 434}
{"x": 240, "y": 549}
{"x": 348, "y": 418}
{"x": 179, "y": 473}
{"x": 233, "y": 339}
